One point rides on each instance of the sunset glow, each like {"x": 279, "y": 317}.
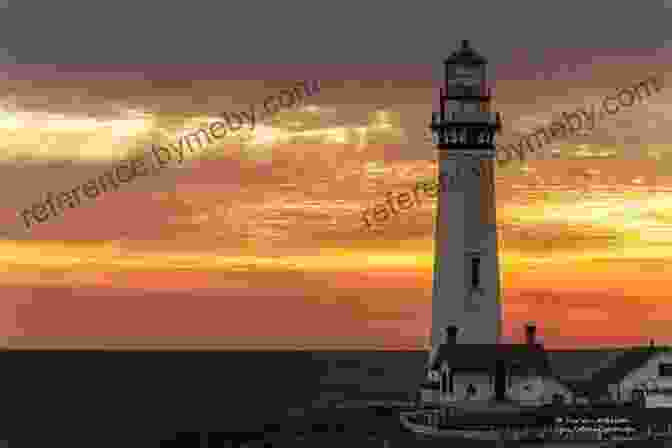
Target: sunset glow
{"x": 272, "y": 215}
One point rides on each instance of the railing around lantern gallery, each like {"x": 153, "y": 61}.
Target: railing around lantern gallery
{"x": 462, "y": 91}
{"x": 468, "y": 117}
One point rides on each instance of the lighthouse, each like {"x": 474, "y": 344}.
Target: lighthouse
{"x": 466, "y": 283}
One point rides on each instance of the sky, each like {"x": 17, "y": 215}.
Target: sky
{"x": 260, "y": 243}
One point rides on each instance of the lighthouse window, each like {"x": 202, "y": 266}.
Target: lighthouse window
{"x": 664, "y": 369}
{"x": 457, "y": 136}
{"x": 484, "y": 138}
{"x": 471, "y": 391}
{"x": 475, "y": 272}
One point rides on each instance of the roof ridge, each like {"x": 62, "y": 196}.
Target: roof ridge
{"x": 618, "y": 369}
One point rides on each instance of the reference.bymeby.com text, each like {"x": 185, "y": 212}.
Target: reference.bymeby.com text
{"x": 135, "y": 167}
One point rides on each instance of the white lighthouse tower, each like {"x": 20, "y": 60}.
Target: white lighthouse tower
{"x": 466, "y": 289}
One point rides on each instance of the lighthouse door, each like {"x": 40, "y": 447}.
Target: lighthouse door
{"x": 500, "y": 380}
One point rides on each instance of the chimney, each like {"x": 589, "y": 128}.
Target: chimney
{"x": 450, "y": 335}
{"x": 530, "y": 332}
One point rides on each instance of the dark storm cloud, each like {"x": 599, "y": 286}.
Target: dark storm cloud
{"x": 68, "y": 31}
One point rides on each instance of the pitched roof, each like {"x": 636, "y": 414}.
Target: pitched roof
{"x": 585, "y": 371}
{"x": 484, "y": 356}
{"x": 617, "y": 370}
{"x": 576, "y": 365}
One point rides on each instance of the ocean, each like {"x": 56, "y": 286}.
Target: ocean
{"x": 212, "y": 399}
{"x": 98, "y": 399}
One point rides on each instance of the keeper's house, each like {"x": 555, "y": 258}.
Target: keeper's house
{"x": 528, "y": 375}
{"x": 641, "y": 375}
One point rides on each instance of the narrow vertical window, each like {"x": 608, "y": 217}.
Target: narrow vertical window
{"x": 444, "y": 382}
{"x": 475, "y": 272}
